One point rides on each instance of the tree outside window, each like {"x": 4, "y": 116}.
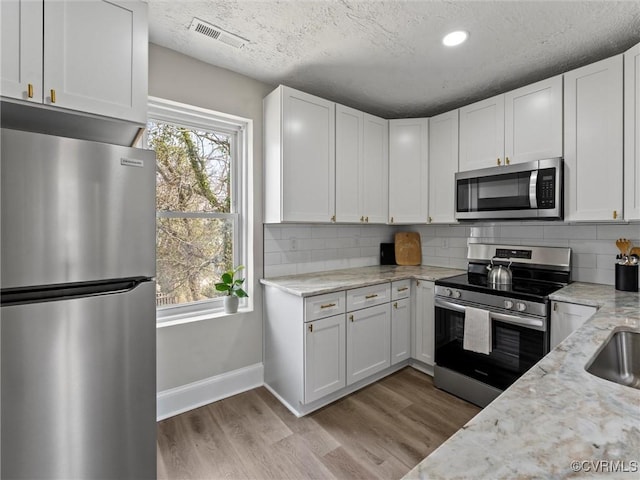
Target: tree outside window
{"x": 196, "y": 224}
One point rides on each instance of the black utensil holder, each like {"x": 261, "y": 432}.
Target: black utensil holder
{"x": 627, "y": 278}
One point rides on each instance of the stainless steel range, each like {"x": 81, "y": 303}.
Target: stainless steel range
{"x": 489, "y": 334}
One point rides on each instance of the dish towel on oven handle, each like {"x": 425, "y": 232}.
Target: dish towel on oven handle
{"x": 477, "y": 330}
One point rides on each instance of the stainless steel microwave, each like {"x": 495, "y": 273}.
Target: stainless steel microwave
{"x": 531, "y": 190}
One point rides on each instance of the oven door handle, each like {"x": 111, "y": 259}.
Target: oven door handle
{"x": 528, "y": 322}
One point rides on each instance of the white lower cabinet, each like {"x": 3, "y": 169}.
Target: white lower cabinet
{"x": 424, "y": 339}
{"x": 566, "y": 318}
{"x": 368, "y": 342}
{"x": 400, "y": 330}
{"x": 322, "y": 347}
{"x": 324, "y": 357}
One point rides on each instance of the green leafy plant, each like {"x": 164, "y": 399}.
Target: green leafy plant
{"x": 230, "y": 284}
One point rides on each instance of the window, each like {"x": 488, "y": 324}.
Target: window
{"x": 201, "y": 227}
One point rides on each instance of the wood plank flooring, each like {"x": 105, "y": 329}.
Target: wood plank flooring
{"x": 379, "y": 432}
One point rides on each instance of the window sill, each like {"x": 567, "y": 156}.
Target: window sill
{"x": 172, "y": 320}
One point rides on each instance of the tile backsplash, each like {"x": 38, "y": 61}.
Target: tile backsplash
{"x": 305, "y": 248}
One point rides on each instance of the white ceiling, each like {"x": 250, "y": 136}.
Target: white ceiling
{"x": 386, "y": 57}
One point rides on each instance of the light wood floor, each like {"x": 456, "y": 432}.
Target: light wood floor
{"x": 381, "y": 431}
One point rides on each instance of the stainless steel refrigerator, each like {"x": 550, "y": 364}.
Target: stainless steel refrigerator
{"x": 78, "y": 346}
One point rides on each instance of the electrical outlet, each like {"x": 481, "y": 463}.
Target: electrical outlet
{"x": 293, "y": 244}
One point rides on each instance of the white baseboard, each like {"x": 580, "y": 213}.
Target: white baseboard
{"x": 193, "y": 395}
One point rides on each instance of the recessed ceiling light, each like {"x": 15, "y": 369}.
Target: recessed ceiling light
{"x": 455, "y": 38}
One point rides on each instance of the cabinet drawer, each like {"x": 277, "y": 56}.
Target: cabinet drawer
{"x": 321, "y": 306}
{"x": 368, "y": 296}
{"x": 400, "y": 289}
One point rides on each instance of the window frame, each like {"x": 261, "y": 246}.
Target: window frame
{"x": 239, "y": 129}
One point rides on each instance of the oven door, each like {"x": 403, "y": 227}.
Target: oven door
{"x": 518, "y": 342}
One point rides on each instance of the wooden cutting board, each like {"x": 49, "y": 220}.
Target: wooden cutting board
{"x": 408, "y": 248}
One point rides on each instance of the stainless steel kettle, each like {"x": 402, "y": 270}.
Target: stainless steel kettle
{"x": 499, "y": 274}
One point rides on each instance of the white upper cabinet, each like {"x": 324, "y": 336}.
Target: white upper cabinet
{"x": 408, "y": 170}
{"x": 443, "y": 165}
{"x": 533, "y": 121}
{"x": 515, "y": 127}
{"x": 21, "y": 43}
{"x": 632, "y": 134}
{"x": 482, "y": 134}
{"x": 361, "y": 166}
{"x": 299, "y": 157}
{"x": 593, "y": 141}
{"x": 375, "y": 176}
{"x": 88, "y": 56}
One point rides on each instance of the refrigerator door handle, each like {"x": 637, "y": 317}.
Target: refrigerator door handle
{"x": 68, "y": 291}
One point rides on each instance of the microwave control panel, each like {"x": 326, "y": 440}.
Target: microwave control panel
{"x": 546, "y": 188}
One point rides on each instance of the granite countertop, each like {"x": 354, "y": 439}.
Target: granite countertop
{"x": 557, "y": 413}
{"x": 317, "y": 283}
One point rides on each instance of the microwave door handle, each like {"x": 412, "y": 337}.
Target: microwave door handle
{"x": 533, "y": 185}
{"x": 535, "y": 323}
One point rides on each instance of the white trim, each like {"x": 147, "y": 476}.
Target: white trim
{"x": 193, "y": 395}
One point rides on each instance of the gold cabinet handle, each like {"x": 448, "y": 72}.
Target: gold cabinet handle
{"x": 391, "y": 220}
{"x": 366, "y": 219}
{"x": 30, "y": 90}
{"x": 53, "y": 96}
{"x": 498, "y": 160}
{"x": 395, "y": 305}
{"x": 328, "y": 305}
{"x": 429, "y": 220}
{"x": 373, "y": 295}
{"x": 351, "y": 317}
{"x": 333, "y": 218}
{"x": 417, "y": 282}
{"x": 506, "y": 161}
{"x": 402, "y": 289}
{"x": 555, "y": 307}
{"x": 362, "y": 218}
{"x": 311, "y": 327}
{"x": 615, "y": 214}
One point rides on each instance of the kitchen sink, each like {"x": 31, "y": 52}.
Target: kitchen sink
{"x": 619, "y": 359}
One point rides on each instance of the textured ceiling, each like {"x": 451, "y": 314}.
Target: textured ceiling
{"x": 386, "y": 57}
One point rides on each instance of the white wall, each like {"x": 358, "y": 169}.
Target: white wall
{"x": 191, "y": 352}
{"x": 327, "y": 247}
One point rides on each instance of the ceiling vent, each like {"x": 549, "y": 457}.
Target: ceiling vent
{"x": 216, "y": 33}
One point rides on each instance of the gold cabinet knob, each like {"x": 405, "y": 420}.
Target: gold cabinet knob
{"x": 366, "y": 219}
{"x": 615, "y": 214}
{"x": 506, "y": 161}
{"x": 351, "y": 317}
{"x": 429, "y": 220}
{"x": 498, "y": 161}
{"x": 395, "y": 305}
{"x": 333, "y": 218}
{"x": 53, "y": 96}
{"x": 391, "y": 221}
{"x": 362, "y": 218}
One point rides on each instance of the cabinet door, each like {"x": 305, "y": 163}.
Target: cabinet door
{"x": 368, "y": 342}
{"x": 425, "y": 323}
{"x": 21, "y": 54}
{"x": 96, "y": 56}
{"x": 566, "y": 318}
{"x": 533, "y": 121}
{"x": 308, "y": 177}
{"x": 632, "y": 134}
{"x": 408, "y": 169}
{"x": 375, "y": 175}
{"x": 482, "y": 134}
{"x": 349, "y": 150}
{"x": 593, "y": 141}
{"x": 324, "y": 357}
{"x": 443, "y": 165}
{"x": 400, "y": 330}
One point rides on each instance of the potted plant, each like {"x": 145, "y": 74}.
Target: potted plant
{"x": 228, "y": 283}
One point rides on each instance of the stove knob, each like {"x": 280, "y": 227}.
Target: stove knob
{"x": 508, "y": 304}
{"x": 456, "y": 294}
{"x": 447, "y": 292}
{"x": 521, "y": 306}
